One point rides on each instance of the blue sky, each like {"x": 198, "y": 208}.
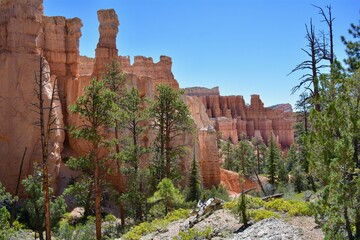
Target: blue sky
{"x": 244, "y": 47}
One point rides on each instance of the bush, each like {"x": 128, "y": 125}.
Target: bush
{"x": 218, "y": 192}
{"x": 251, "y": 203}
{"x": 293, "y": 208}
{"x": 110, "y": 218}
{"x": 148, "y": 227}
{"x": 260, "y": 214}
{"x": 79, "y": 232}
{"x": 194, "y": 233}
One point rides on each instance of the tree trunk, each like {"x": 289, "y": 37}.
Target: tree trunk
{"x": 258, "y": 179}
{"x": 118, "y": 163}
{"x": 97, "y": 198}
{"x": 167, "y": 156}
{"x": 348, "y": 224}
{"x": 258, "y": 157}
{"x": 17, "y": 189}
{"x": 41, "y": 237}
{"x": 47, "y": 202}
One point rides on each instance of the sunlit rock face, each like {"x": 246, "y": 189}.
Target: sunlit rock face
{"x": 21, "y": 43}
{"x": 233, "y": 118}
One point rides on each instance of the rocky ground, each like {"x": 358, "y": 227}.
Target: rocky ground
{"x": 225, "y": 224}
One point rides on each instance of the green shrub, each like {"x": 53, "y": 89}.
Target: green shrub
{"x": 292, "y": 207}
{"x": 218, "y": 192}
{"x": 231, "y": 205}
{"x": 260, "y": 214}
{"x": 278, "y": 205}
{"x": 299, "y": 208}
{"x": 254, "y": 202}
{"x": 79, "y": 232}
{"x": 194, "y": 233}
{"x": 148, "y": 227}
{"x": 251, "y": 203}
{"x": 110, "y": 218}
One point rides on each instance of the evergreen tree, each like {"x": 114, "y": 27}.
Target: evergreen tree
{"x": 34, "y": 205}
{"x": 298, "y": 177}
{"x": 171, "y": 118}
{"x": 282, "y": 173}
{"x": 272, "y": 160}
{"x": 331, "y": 149}
{"x": 353, "y": 48}
{"x": 96, "y": 109}
{"x": 292, "y": 158}
{"x": 244, "y": 153}
{"x": 260, "y": 149}
{"x": 133, "y": 122}
{"x": 167, "y": 194}
{"x": 194, "y": 186}
{"x": 114, "y": 80}
{"x": 227, "y": 150}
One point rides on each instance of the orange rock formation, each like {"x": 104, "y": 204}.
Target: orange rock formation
{"x": 233, "y": 118}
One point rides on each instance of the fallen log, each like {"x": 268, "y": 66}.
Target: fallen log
{"x": 278, "y": 195}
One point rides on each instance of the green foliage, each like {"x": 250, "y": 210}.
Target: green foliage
{"x": 260, "y": 152}
{"x": 171, "y": 118}
{"x": 148, "y": 227}
{"x": 5, "y": 197}
{"x": 333, "y": 149}
{"x": 227, "y": 150}
{"x": 260, "y": 214}
{"x": 84, "y": 231}
{"x": 243, "y": 210}
{"x": 110, "y": 218}
{"x": 298, "y": 177}
{"x": 244, "y": 152}
{"x": 353, "y": 48}
{"x": 251, "y": 202}
{"x": 95, "y": 107}
{"x": 133, "y": 121}
{"x": 282, "y": 173}
{"x": 82, "y": 192}
{"x": 194, "y": 233}
{"x": 7, "y": 232}
{"x": 167, "y": 194}
{"x": 273, "y": 157}
{"x": 215, "y": 192}
{"x": 194, "y": 186}
{"x": 34, "y": 205}
{"x": 292, "y": 207}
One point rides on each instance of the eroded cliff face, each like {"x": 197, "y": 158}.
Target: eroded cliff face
{"x": 233, "y": 118}
{"x": 21, "y": 42}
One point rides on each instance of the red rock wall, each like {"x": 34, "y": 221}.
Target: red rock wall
{"x": 232, "y": 182}
{"x": 21, "y": 42}
{"x": 233, "y": 118}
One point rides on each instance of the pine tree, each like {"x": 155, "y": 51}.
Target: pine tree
{"x": 194, "y": 182}
{"x": 34, "y": 205}
{"x": 171, "y": 118}
{"x": 272, "y": 160}
{"x": 353, "y": 48}
{"x": 114, "y": 80}
{"x": 133, "y": 123}
{"x": 332, "y": 149}
{"x": 167, "y": 194}
{"x": 96, "y": 109}
{"x": 260, "y": 148}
